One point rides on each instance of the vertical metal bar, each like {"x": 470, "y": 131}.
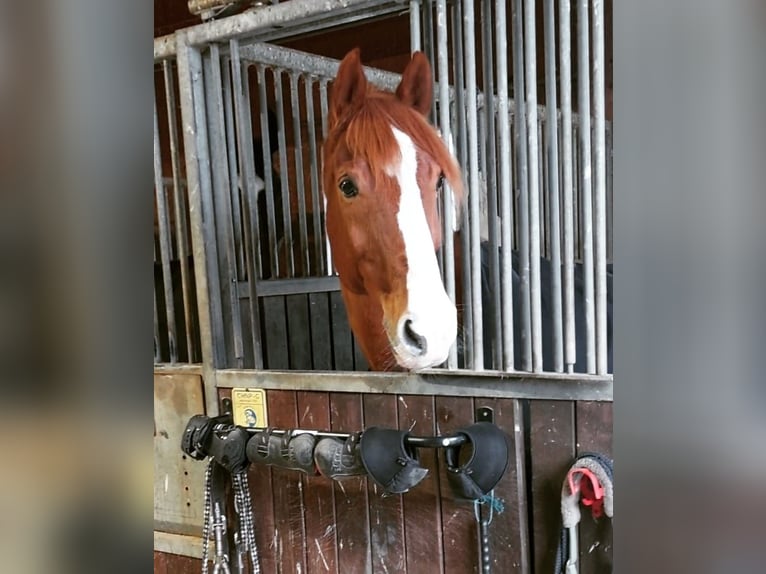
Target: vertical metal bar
{"x": 553, "y": 184}
{"x": 609, "y": 195}
{"x": 314, "y": 162}
{"x": 300, "y": 187}
{"x": 583, "y": 84}
{"x": 446, "y": 131}
{"x": 235, "y": 180}
{"x": 504, "y": 183}
{"x": 427, "y": 16}
{"x": 324, "y": 108}
{"x": 473, "y": 182}
{"x": 179, "y": 208}
{"x": 534, "y": 217}
{"x": 523, "y": 171}
{"x": 269, "y": 191}
{"x": 164, "y": 236}
{"x": 222, "y": 205}
{"x": 287, "y": 237}
{"x": 541, "y": 173}
{"x": 249, "y": 192}
{"x": 254, "y": 183}
{"x": 565, "y": 88}
{"x": 197, "y": 173}
{"x": 415, "y": 42}
{"x": 491, "y": 179}
{"x": 462, "y": 153}
{"x": 599, "y": 185}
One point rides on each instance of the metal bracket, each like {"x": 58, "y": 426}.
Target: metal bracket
{"x": 484, "y": 415}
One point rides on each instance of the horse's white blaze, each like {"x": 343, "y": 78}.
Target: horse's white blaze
{"x": 433, "y": 314}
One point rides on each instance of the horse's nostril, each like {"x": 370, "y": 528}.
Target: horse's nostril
{"x": 414, "y": 339}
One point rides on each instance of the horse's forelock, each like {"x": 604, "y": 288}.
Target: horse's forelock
{"x": 367, "y": 134}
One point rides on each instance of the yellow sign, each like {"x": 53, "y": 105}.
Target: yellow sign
{"x": 249, "y": 407}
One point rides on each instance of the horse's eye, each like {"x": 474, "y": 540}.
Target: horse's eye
{"x": 348, "y": 187}
{"x": 440, "y": 183}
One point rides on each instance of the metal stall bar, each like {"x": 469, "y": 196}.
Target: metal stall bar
{"x": 600, "y": 185}
{"x": 552, "y": 154}
{"x": 234, "y": 177}
{"x": 427, "y": 17}
{"x": 565, "y": 87}
{"x": 269, "y": 191}
{"x": 491, "y": 178}
{"x": 473, "y": 182}
{"x": 222, "y": 207}
{"x": 609, "y": 195}
{"x": 250, "y": 192}
{"x": 165, "y": 250}
{"x": 534, "y": 208}
{"x": 504, "y": 182}
{"x": 523, "y": 177}
{"x": 316, "y": 193}
{"x": 299, "y": 181}
{"x": 287, "y": 233}
{"x": 446, "y": 132}
{"x": 324, "y": 109}
{"x": 198, "y": 181}
{"x": 290, "y": 19}
{"x": 583, "y": 102}
{"x": 179, "y": 207}
{"x": 462, "y": 155}
{"x": 415, "y": 42}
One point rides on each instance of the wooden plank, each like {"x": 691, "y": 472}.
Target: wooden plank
{"x": 594, "y": 434}
{"x": 351, "y": 503}
{"x": 276, "y": 354}
{"x": 318, "y": 496}
{"x": 160, "y": 563}
{"x": 506, "y": 537}
{"x": 422, "y": 504}
{"x": 551, "y": 445}
{"x": 178, "y": 479}
{"x": 459, "y": 531}
{"x": 290, "y": 528}
{"x": 298, "y": 332}
{"x": 321, "y": 332}
{"x": 175, "y": 564}
{"x": 386, "y": 513}
{"x": 343, "y": 350}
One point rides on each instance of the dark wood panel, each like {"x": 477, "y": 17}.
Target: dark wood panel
{"x": 290, "y": 529}
{"x": 276, "y": 355}
{"x": 386, "y": 513}
{"x": 508, "y": 531}
{"x": 343, "y": 345}
{"x": 318, "y": 496}
{"x": 175, "y": 564}
{"x": 422, "y": 504}
{"x": 351, "y": 503}
{"x": 298, "y": 331}
{"x": 551, "y": 444}
{"x": 321, "y": 333}
{"x": 460, "y": 531}
{"x": 594, "y": 434}
{"x": 360, "y": 361}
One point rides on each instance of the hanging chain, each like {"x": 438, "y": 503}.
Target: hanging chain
{"x": 244, "y": 505}
{"x": 207, "y": 515}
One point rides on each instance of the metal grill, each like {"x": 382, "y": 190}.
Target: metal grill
{"x": 539, "y": 176}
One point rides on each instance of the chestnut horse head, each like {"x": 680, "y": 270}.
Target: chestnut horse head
{"x": 384, "y": 167}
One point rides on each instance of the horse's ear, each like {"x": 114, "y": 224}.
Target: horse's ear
{"x": 416, "y": 87}
{"x": 349, "y": 87}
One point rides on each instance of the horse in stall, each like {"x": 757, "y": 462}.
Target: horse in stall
{"x": 384, "y": 167}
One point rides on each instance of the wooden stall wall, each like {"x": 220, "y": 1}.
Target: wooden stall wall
{"x": 315, "y": 525}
